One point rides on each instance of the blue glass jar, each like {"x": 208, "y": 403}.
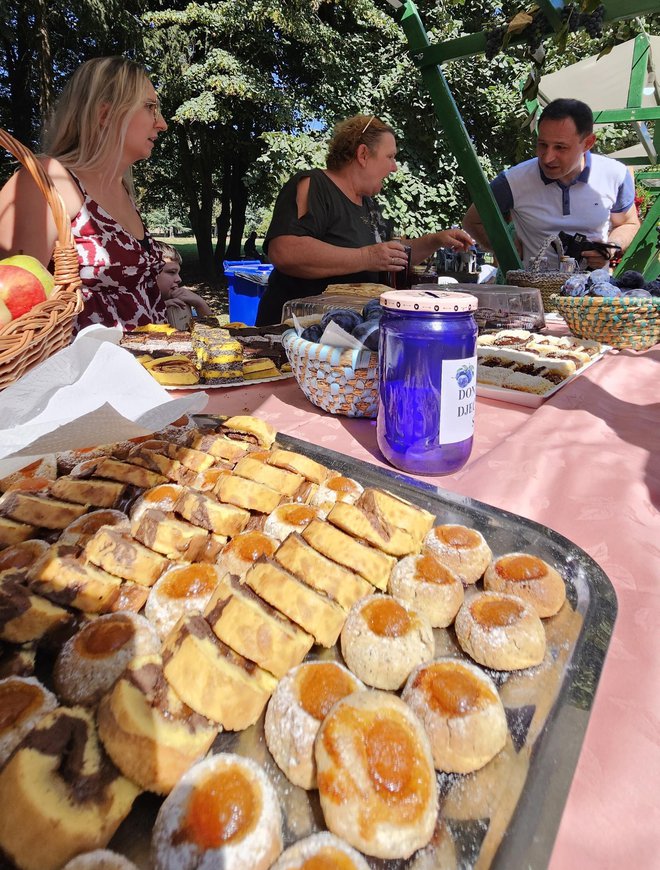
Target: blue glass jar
{"x": 428, "y": 379}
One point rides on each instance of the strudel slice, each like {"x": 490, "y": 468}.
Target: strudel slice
{"x": 370, "y": 563}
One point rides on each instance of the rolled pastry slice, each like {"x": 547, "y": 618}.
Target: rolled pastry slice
{"x": 181, "y": 589}
{"x": 294, "y": 714}
{"x": 115, "y": 551}
{"x": 21, "y": 555}
{"x": 250, "y": 429}
{"x": 501, "y": 632}
{"x": 23, "y": 702}
{"x": 461, "y": 711}
{"x": 375, "y": 773}
{"x": 241, "y": 552}
{"x": 25, "y": 617}
{"x": 12, "y": 532}
{"x": 92, "y": 660}
{"x": 461, "y": 549}
{"x": 299, "y": 464}
{"x": 224, "y": 812}
{"x": 39, "y": 511}
{"x": 81, "y": 530}
{"x": 100, "y": 859}
{"x": 428, "y": 586}
{"x": 289, "y": 518}
{"x": 61, "y": 780}
{"x": 150, "y": 734}
{"x": 322, "y": 851}
{"x": 175, "y": 370}
{"x": 383, "y": 639}
{"x": 530, "y": 578}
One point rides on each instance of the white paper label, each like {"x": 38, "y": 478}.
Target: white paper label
{"x": 458, "y": 396}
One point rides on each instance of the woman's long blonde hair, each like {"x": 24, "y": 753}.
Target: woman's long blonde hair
{"x": 76, "y": 134}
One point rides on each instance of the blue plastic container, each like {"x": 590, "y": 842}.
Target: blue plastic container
{"x": 248, "y": 287}
{"x": 244, "y": 294}
{"x": 428, "y": 380}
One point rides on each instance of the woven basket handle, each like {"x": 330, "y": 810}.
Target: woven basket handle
{"x": 65, "y": 256}
{"x": 549, "y": 241}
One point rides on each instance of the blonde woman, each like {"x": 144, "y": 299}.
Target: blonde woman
{"x": 107, "y": 118}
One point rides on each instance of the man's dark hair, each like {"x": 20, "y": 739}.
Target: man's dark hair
{"x": 579, "y": 112}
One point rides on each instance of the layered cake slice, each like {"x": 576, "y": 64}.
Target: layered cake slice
{"x": 219, "y": 357}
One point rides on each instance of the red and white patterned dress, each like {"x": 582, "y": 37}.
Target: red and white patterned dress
{"x": 118, "y": 271}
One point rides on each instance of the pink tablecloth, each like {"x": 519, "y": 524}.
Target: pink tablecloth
{"x": 587, "y": 464}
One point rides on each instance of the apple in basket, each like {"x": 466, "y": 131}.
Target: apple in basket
{"x": 24, "y": 282}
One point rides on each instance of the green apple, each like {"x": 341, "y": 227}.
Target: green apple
{"x": 32, "y": 265}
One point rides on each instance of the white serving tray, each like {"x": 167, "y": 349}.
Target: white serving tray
{"x": 532, "y": 400}
{"x": 243, "y": 383}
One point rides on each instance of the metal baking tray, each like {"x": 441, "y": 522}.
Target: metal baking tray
{"x": 507, "y": 814}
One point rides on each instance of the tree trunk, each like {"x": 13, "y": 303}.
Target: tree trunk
{"x": 199, "y": 212}
{"x": 44, "y": 59}
{"x": 239, "y": 198}
{"x": 222, "y": 221}
{"x": 18, "y": 62}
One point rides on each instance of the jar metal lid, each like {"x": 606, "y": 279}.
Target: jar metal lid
{"x": 432, "y": 301}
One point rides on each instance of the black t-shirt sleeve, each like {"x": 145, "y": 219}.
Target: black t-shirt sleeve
{"x": 285, "y": 220}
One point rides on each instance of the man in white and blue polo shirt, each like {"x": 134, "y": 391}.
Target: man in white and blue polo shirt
{"x": 565, "y": 187}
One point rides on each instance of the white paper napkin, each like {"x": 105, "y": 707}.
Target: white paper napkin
{"x": 92, "y": 392}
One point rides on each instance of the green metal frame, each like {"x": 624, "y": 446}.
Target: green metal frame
{"x": 428, "y": 59}
{"x": 643, "y": 255}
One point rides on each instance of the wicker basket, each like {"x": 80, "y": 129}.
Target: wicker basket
{"x": 622, "y": 321}
{"x": 338, "y": 380}
{"x": 549, "y": 283}
{"x": 48, "y": 326}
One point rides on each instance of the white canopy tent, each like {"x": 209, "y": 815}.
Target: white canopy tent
{"x": 605, "y": 84}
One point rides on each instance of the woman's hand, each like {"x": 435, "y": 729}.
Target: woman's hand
{"x": 384, "y": 257}
{"x": 456, "y": 239}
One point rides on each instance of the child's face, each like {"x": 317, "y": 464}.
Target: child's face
{"x": 169, "y": 277}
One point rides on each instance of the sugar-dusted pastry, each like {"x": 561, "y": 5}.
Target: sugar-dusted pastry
{"x": 321, "y": 573}
{"x": 294, "y": 714}
{"x": 296, "y": 462}
{"x": 317, "y": 614}
{"x": 242, "y": 551}
{"x": 428, "y": 586}
{"x": 242, "y": 620}
{"x": 77, "y": 533}
{"x": 23, "y": 702}
{"x": 220, "y": 446}
{"x": 125, "y": 472}
{"x": 250, "y": 429}
{"x": 17, "y": 661}
{"x": 162, "y": 497}
{"x": 213, "y": 679}
{"x": 320, "y": 851}
{"x": 41, "y": 469}
{"x": 461, "y": 549}
{"x": 461, "y": 711}
{"x": 375, "y": 774}
{"x": 172, "y": 469}
{"x": 100, "y": 859}
{"x": 500, "y": 631}
{"x": 60, "y": 780}
{"x": 288, "y": 518}
{"x": 21, "y": 555}
{"x": 369, "y": 524}
{"x": 150, "y": 734}
{"x": 91, "y": 661}
{"x": 336, "y": 488}
{"x": 530, "y": 578}
{"x": 118, "y": 553}
{"x": 383, "y": 639}
{"x": 181, "y": 589}
{"x": 369, "y": 562}
{"x": 224, "y": 812}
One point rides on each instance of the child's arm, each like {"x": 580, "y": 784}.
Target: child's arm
{"x": 186, "y": 295}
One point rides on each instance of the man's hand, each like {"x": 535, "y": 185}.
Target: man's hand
{"x": 595, "y": 259}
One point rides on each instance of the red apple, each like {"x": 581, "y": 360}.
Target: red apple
{"x": 20, "y": 290}
{"x": 32, "y": 265}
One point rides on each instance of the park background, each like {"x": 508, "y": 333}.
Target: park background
{"x": 250, "y": 90}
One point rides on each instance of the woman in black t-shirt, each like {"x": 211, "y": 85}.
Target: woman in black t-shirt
{"x": 326, "y": 227}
